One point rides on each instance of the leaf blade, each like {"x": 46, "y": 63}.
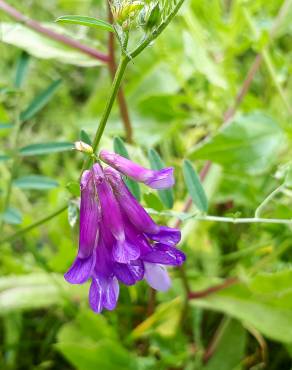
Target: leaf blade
{"x": 85, "y": 21}
{"x": 194, "y": 186}
{"x": 35, "y": 182}
{"x": 45, "y": 148}
{"x": 40, "y": 101}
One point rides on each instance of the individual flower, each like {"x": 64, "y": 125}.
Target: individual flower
{"x": 160, "y": 179}
{"x": 119, "y": 242}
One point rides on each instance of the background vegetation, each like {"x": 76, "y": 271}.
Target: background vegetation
{"x": 215, "y": 87}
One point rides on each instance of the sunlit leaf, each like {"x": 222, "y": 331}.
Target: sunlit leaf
{"x": 249, "y": 143}
{"x": 43, "y": 47}
{"x": 85, "y": 21}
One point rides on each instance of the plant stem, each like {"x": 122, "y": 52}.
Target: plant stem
{"x": 113, "y": 93}
{"x": 14, "y": 13}
{"x": 34, "y": 225}
{"x": 121, "y": 96}
{"x": 157, "y": 32}
{"x": 267, "y": 200}
{"x": 251, "y": 220}
{"x": 14, "y": 139}
{"x": 213, "y": 289}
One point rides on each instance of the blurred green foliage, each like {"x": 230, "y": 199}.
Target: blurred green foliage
{"x": 177, "y": 92}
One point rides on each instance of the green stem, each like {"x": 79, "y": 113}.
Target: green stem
{"x": 34, "y": 225}
{"x": 14, "y": 149}
{"x": 267, "y": 200}
{"x": 157, "y": 32}
{"x": 251, "y": 220}
{"x": 113, "y": 93}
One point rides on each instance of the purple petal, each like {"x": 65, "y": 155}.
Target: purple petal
{"x": 165, "y": 255}
{"x": 130, "y": 273}
{"x": 90, "y": 214}
{"x": 124, "y": 252}
{"x": 111, "y": 294}
{"x": 166, "y": 235}
{"x": 103, "y": 293}
{"x": 81, "y": 270}
{"x": 131, "y": 207}
{"x": 161, "y": 179}
{"x": 95, "y": 295}
{"x": 111, "y": 214}
{"x": 157, "y": 276}
{"x": 155, "y": 179}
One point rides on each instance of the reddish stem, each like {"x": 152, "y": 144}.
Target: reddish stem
{"x": 14, "y": 13}
{"x": 213, "y": 289}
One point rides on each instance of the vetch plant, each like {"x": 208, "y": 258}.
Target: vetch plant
{"x": 118, "y": 239}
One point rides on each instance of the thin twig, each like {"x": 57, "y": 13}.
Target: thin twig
{"x": 121, "y": 96}
{"x": 214, "y": 289}
{"x": 19, "y": 17}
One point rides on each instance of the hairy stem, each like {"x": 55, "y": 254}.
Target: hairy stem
{"x": 14, "y": 13}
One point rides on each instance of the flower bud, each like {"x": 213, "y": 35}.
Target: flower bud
{"x": 83, "y": 147}
{"x": 125, "y": 11}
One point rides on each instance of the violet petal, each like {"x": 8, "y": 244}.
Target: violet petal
{"x": 156, "y": 179}
{"x": 165, "y": 255}
{"x": 166, "y": 235}
{"x": 124, "y": 252}
{"x": 130, "y": 273}
{"x": 129, "y": 204}
{"x": 81, "y": 270}
{"x": 157, "y": 276}
{"x": 89, "y": 217}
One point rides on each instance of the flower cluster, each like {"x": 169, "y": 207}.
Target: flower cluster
{"x": 119, "y": 241}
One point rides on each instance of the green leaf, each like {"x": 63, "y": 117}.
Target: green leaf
{"x": 265, "y": 303}
{"x": 12, "y": 216}
{"x": 85, "y": 21}
{"x": 40, "y": 101}
{"x": 4, "y": 157}
{"x": 34, "y": 291}
{"x": 156, "y": 163}
{"x": 249, "y": 143}
{"x": 40, "y": 46}
{"x": 74, "y": 188}
{"x": 5, "y": 125}
{"x": 105, "y": 355}
{"x": 21, "y": 69}
{"x": 120, "y": 148}
{"x": 164, "y": 321}
{"x": 46, "y": 148}
{"x": 230, "y": 350}
{"x": 194, "y": 186}
{"x": 85, "y": 137}
{"x": 36, "y": 182}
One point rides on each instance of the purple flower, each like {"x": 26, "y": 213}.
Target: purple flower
{"x": 119, "y": 242}
{"x": 155, "y": 179}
